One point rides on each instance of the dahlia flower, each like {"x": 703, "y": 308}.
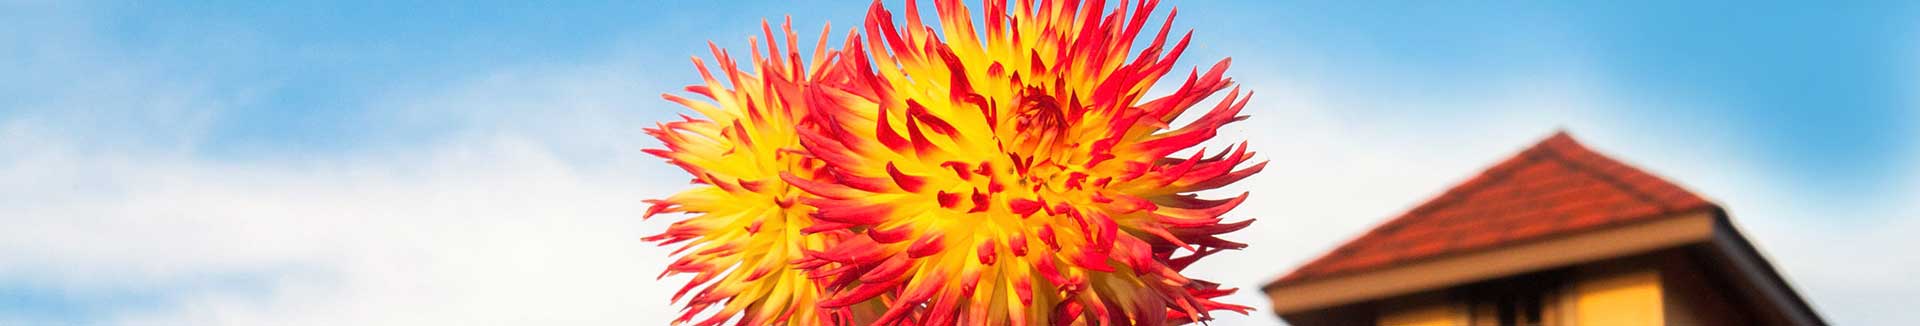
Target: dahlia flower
{"x": 1017, "y": 177}
{"x": 746, "y": 224}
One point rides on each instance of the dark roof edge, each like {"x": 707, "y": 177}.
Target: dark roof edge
{"x": 1748, "y": 259}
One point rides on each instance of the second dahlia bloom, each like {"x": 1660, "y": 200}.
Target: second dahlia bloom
{"x": 1020, "y": 176}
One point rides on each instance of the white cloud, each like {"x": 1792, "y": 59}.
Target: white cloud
{"x": 492, "y": 230}
{"x": 520, "y": 206}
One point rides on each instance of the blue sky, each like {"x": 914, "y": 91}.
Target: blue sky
{"x": 233, "y": 161}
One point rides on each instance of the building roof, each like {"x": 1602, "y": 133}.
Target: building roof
{"x": 1554, "y": 188}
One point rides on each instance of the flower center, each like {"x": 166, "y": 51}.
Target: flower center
{"x": 1041, "y": 122}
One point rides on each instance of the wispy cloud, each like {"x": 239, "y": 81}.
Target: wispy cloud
{"x": 509, "y": 198}
{"x": 494, "y": 223}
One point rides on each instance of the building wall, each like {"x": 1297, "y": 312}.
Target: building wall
{"x": 1618, "y": 297}
{"x": 1427, "y": 309}
{"x": 1664, "y": 288}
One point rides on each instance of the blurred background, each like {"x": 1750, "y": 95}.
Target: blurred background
{"x": 478, "y": 163}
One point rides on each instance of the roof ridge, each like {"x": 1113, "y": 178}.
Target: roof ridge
{"x": 1446, "y": 223}
{"x": 1610, "y": 178}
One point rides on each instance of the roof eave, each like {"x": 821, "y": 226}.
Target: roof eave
{"x": 1520, "y": 258}
{"x": 1751, "y": 268}
{"x": 1710, "y": 229}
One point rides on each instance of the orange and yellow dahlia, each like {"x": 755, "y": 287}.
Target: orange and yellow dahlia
{"x": 1020, "y": 176}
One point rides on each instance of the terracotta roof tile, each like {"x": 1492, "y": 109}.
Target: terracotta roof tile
{"x": 1554, "y": 188}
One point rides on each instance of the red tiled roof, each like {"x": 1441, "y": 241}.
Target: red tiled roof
{"x": 1554, "y": 188}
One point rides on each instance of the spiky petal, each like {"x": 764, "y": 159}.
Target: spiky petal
{"x": 1020, "y": 176}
